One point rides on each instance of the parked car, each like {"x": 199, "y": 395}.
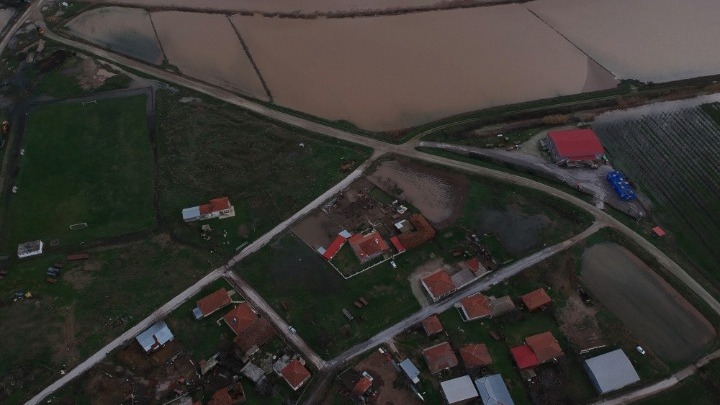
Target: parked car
{"x": 640, "y": 350}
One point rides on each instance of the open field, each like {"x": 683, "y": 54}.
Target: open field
{"x": 347, "y": 70}
{"x": 700, "y": 389}
{"x": 671, "y": 155}
{"x": 648, "y": 40}
{"x": 68, "y": 321}
{"x": 648, "y": 306}
{"x": 205, "y": 46}
{"x": 208, "y": 149}
{"x": 90, "y": 163}
{"x": 127, "y": 31}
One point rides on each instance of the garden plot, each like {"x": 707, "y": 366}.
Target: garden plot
{"x": 649, "y": 40}
{"x": 385, "y": 73}
{"x": 672, "y": 156}
{"x": 128, "y": 31}
{"x": 206, "y": 46}
{"x": 648, "y": 306}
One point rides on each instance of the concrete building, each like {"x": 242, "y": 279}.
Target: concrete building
{"x": 610, "y": 371}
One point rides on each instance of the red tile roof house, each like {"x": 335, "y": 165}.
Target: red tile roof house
{"x": 545, "y": 346}
{"x": 473, "y": 307}
{"x": 432, "y": 325}
{"x": 335, "y": 246}
{"x": 440, "y": 357}
{"x": 475, "y": 355}
{"x": 535, "y": 300}
{"x": 362, "y": 386}
{"x": 574, "y": 145}
{"x": 240, "y": 318}
{"x": 212, "y": 303}
{"x": 439, "y": 284}
{"x": 216, "y": 208}
{"x": 295, "y": 374}
{"x": 368, "y": 246}
{"x": 524, "y": 357}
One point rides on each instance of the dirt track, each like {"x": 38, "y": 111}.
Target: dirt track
{"x": 648, "y": 306}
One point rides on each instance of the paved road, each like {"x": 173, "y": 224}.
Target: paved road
{"x": 380, "y": 148}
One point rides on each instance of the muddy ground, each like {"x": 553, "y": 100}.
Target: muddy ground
{"x": 649, "y": 307}
{"x": 384, "y": 380}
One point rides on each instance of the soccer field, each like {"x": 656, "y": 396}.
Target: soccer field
{"x": 83, "y": 163}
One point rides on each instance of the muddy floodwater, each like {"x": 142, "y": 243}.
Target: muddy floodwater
{"x": 205, "y": 46}
{"x": 385, "y": 73}
{"x": 123, "y": 30}
{"x": 518, "y": 232}
{"x": 649, "y": 40}
{"x": 650, "y": 308}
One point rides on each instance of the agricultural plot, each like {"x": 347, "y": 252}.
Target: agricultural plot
{"x": 128, "y": 31}
{"x": 673, "y": 157}
{"x": 83, "y": 163}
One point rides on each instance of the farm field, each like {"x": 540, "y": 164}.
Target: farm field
{"x": 671, "y": 155}
{"x": 208, "y": 149}
{"x": 84, "y": 310}
{"x": 83, "y": 163}
{"x": 347, "y": 69}
{"x": 205, "y": 46}
{"x": 648, "y": 306}
{"x": 127, "y": 31}
{"x": 633, "y": 39}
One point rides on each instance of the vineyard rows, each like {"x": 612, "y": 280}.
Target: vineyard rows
{"x": 675, "y": 159}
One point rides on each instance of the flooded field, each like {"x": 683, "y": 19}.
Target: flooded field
{"x": 439, "y": 196}
{"x": 649, "y": 307}
{"x": 124, "y": 30}
{"x": 649, "y": 40}
{"x": 205, "y": 46}
{"x": 518, "y": 232}
{"x": 435, "y": 65}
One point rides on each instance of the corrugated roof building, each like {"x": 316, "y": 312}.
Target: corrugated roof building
{"x": 611, "y": 371}
{"x": 574, "y": 145}
{"x": 154, "y": 337}
{"x": 459, "y": 390}
{"x": 493, "y": 391}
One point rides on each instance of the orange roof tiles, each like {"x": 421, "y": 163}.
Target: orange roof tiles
{"x": 439, "y": 284}
{"x": 432, "y": 325}
{"x": 216, "y": 204}
{"x": 475, "y": 355}
{"x": 475, "y": 306}
{"x": 368, "y": 246}
{"x": 363, "y": 385}
{"x": 524, "y": 357}
{"x": 240, "y": 318}
{"x": 536, "y": 299}
{"x": 440, "y": 357}
{"x": 295, "y": 374}
{"x": 213, "y": 302}
{"x": 545, "y": 346}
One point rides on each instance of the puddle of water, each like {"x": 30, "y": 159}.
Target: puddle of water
{"x": 518, "y": 232}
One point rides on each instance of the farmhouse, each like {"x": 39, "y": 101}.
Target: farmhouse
{"x": 475, "y": 355}
{"x": 335, "y": 246}
{"x": 535, "y": 300}
{"x": 439, "y": 284}
{"x": 412, "y": 372}
{"x": 460, "y": 390}
{"x": 240, "y": 318}
{"x": 216, "y": 208}
{"x": 440, "y": 357}
{"x": 295, "y": 374}
{"x": 545, "y": 346}
{"x": 493, "y": 391}
{"x": 211, "y": 303}
{"x": 524, "y": 357}
{"x": 610, "y": 371}
{"x": 28, "y": 249}
{"x": 368, "y": 246}
{"x": 154, "y": 337}
{"x": 473, "y": 307}
{"x": 432, "y": 325}
{"x": 574, "y": 145}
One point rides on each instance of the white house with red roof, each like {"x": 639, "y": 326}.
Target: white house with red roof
{"x": 216, "y": 208}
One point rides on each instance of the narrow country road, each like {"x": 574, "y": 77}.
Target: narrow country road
{"x": 380, "y": 148}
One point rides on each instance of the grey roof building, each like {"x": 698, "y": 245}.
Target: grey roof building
{"x": 155, "y": 336}
{"x": 459, "y": 390}
{"x": 493, "y": 391}
{"x": 611, "y": 371}
{"x": 410, "y": 370}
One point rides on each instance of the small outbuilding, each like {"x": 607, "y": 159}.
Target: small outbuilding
{"x": 493, "y": 391}
{"x": 412, "y": 372}
{"x": 460, "y": 390}
{"x": 524, "y": 357}
{"x": 29, "y": 249}
{"x": 501, "y": 306}
{"x": 535, "y": 300}
{"x": 155, "y": 337}
{"x": 611, "y": 371}
{"x": 658, "y": 232}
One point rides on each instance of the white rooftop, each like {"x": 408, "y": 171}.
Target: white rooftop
{"x": 611, "y": 371}
{"x": 458, "y": 389}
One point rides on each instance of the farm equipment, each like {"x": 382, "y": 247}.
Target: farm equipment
{"x": 53, "y": 272}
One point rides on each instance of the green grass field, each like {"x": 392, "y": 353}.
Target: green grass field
{"x": 90, "y": 164}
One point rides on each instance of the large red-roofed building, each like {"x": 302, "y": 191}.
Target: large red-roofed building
{"x": 574, "y": 145}
{"x": 439, "y": 284}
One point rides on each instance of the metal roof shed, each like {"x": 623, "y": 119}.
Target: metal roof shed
{"x": 410, "y": 370}
{"x": 493, "y": 391}
{"x": 155, "y": 336}
{"x": 459, "y": 390}
{"x": 611, "y": 371}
